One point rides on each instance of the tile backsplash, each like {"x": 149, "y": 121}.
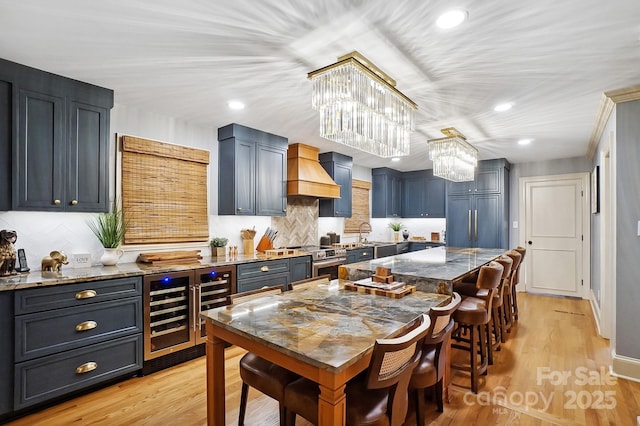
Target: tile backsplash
{"x": 300, "y": 226}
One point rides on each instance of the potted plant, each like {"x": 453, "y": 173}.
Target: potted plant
{"x": 396, "y": 226}
{"x": 218, "y": 245}
{"x": 110, "y": 229}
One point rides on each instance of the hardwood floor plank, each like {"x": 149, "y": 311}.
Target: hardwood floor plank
{"x": 553, "y": 370}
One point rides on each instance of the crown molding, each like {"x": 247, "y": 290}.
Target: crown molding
{"x": 607, "y": 102}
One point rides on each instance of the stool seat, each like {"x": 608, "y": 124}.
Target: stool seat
{"x": 366, "y": 406}
{"x": 472, "y": 310}
{"x": 267, "y": 377}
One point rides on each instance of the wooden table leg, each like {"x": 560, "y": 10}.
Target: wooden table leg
{"x": 332, "y": 406}
{"x": 215, "y": 380}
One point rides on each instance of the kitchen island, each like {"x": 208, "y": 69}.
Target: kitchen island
{"x": 432, "y": 270}
{"x": 324, "y": 333}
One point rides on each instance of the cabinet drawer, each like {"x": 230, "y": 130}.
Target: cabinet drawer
{"x": 258, "y": 269}
{"x": 267, "y": 280}
{"x": 66, "y": 295}
{"x": 45, "y": 333}
{"x": 45, "y": 378}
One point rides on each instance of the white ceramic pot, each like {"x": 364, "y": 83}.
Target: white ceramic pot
{"x": 111, "y": 256}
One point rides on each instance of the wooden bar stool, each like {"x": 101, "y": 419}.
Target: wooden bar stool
{"x": 522, "y": 252}
{"x": 473, "y": 316}
{"x": 510, "y": 290}
{"x": 430, "y": 370}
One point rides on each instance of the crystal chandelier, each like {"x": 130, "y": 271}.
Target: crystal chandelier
{"x": 453, "y": 157}
{"x": 360, "y": 107}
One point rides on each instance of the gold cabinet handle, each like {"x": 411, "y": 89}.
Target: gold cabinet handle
{"x": 86, "y": 325}
{"x": 74, "y": 202}
{"x": 86, "y": 294}
{"x": 239, "y": 209}
{"x": 265, "y": 269}
{"x": 56, "y": 202}
{"x": 86, "y": 367}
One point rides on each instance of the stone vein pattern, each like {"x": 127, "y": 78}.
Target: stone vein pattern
{"x": 432, "y": 270}
{"x": 300, "y": 226}
{"x": 325, "y": 326}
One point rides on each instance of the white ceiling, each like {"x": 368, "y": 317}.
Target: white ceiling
{"x": 186, "y": 59}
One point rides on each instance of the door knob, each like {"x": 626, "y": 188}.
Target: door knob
{"x": 529, "y": 242}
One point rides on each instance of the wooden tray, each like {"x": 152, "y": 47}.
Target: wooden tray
{"x": 396, "y": 294}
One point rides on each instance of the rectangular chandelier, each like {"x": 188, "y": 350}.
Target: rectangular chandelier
{"x": 360, "y": 107}
{"x": 453, "y": 157}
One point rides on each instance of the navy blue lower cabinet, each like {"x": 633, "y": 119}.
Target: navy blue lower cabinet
{"x": 42, "y": 379}
{"x": 251, "y": 276}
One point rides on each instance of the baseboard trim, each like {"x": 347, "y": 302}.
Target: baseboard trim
{"x": 595, "y": 309}
{"x": 625, "y": 367}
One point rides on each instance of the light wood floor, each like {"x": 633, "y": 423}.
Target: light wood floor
{"x": 554, "y": 337}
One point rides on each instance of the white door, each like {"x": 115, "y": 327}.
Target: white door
{"x": 554, "y": 232}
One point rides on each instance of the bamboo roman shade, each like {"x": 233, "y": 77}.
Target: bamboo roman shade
{"x": 164, "y": 192}
{"x": 359, "y": 205}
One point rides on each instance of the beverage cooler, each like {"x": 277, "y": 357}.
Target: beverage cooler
{"x": 172, "y": 306}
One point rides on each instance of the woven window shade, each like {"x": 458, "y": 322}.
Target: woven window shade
{"x": 359, "y": 206}
{"x": 164, "y": 192}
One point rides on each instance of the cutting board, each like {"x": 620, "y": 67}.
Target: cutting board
{"x": 165, "y": 257}
{"x": 396, "y": 294}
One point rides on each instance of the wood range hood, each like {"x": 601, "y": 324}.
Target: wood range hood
{"x": 305, "y": 176}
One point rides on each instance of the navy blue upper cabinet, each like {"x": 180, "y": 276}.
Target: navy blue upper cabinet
{"x": 252, "y": 172}
{"x": 423, "y": 195}
{"x": 339, "y": 167}
{"x": 478, "y": 211}
{"x": 60, "y": 142}
{"x": 386, "y": 198}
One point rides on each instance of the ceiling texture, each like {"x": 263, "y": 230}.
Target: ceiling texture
{"x": 186, "y": 59}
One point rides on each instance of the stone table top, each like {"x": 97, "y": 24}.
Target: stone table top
{"x": 323, "y": 325}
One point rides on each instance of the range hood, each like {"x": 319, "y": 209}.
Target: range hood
{"x": 305, "y": 175}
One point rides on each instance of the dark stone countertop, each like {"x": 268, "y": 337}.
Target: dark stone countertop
{"x": 70, "y": 275}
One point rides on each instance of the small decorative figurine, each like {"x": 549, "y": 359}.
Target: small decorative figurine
{"x": 54, "y": 261}
{"x": 7, "y": 252}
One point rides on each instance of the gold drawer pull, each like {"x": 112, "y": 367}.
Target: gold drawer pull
{"x": 86, "y": 325}
{"x": 86, "y": 367}
{"x": 86, "y": 294}
{"x": 265, "y": 269}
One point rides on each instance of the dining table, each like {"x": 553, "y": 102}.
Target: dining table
{"x": 324, "y": 332}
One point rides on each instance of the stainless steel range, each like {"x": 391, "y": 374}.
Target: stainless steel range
{"x": 325, "y": 260}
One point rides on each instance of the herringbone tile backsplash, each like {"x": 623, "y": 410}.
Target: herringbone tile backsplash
{"x": 300, "y": 226}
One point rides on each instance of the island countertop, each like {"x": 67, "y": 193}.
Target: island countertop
{"x": 432, "y": 270}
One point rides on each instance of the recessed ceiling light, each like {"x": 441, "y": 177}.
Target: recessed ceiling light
{"x": 395, "y": 159}
{"x": 452, "y": 18}
{"x": 236, "y": 105}
{"x": 503, "y": 107}
{"x": 525, "y": 141}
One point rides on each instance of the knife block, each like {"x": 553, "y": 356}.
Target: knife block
{"x": 264, "y": 244}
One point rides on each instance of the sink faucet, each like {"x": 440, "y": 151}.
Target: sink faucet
{"x": 360, "y": 232}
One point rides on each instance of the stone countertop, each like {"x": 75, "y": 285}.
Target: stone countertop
{"x": 326, "y": 325}
{"x": 432, "y": 270}
{"x": 70, "y": 275}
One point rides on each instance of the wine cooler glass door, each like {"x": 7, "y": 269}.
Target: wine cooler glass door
{"x": 214, "y": 289}
{"x": 168, "y": 313}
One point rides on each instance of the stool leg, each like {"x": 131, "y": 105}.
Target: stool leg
{"x": 419, "y": 400}
{"x": 515, "y": 304}
{"x": 489, "y": 345}
{"x": 243, "y": 403}
{"x": 474, "y": 359}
